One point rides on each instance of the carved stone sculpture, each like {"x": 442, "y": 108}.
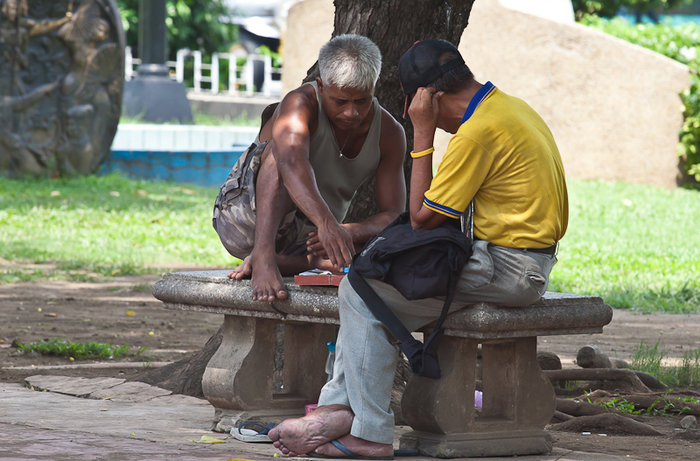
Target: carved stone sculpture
{"x": 61, "y": 82}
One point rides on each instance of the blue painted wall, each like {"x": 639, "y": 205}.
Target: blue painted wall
{"x": 201, "y": 168}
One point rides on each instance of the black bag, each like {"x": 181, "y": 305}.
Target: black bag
{"x": 419, "y": 264}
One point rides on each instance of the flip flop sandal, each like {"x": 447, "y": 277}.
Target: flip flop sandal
{"x": 347, "y": 453}
{"x": 252, "y": 432}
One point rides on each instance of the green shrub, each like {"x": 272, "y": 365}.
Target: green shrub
{"x": 194, "y": 24}
{"x": 681, "y": 43}
{"x": 609, "y": 8}
{"x": 690, "y": 133}
{"x": 604, "y": 9}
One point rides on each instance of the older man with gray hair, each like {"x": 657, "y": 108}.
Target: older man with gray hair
{"x": 283, "y": 205}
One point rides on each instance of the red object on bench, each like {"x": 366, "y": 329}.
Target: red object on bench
{"x": 318, "y": 279}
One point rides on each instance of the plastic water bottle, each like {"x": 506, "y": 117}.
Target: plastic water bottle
{"x": 330, "y": 360}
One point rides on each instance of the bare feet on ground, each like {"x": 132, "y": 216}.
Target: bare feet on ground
{"x": 358, "y": 446}
{"x": 266, "y": 281}
{"x": 298, "y": 436}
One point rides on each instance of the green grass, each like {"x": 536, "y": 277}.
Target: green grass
{"x": 650, "y": 358}
{"x": 88, "y": 350}
{"x": 636, "y": 246}
{"x": 92, "y": 227}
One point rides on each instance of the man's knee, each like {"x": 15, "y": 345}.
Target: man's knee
{"x": 236, "y": 232}
{"x": 345, "y": 291}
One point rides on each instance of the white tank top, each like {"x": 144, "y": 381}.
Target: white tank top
{"x": 338, "y": 177}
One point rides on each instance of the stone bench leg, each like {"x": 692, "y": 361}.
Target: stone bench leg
{"x": 238, "y": 380}
{"x": 518, "y": 401}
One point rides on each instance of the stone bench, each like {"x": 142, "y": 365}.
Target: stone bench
{"x": 241, "y": 383}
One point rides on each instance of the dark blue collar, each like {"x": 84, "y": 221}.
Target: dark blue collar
{"x": 480, "y": 95}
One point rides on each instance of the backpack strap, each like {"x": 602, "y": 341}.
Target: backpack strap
{"x": 422, "y": 357}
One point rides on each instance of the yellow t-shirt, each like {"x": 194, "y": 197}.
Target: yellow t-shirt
{"x": 505, "y": 158}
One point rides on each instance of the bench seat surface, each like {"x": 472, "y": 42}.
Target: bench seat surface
{"x": 212, "y": 291}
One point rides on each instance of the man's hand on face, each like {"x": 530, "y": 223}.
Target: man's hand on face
{"x": 423, "y": 109}
{"x": 334, "y": 242}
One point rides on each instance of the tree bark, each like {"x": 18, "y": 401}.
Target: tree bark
{"x": 608, "y": 423}
{"x": 394, "y": 25}
{"x": 184, "y": 376}
{"x": 624, "y": 379}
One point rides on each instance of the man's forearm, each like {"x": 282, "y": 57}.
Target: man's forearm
{"x": 364, "y": 230}
{"x": 300, "y": 183}
{"x": 421, "y": 175}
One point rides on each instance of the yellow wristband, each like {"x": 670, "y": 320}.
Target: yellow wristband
{"x": 422, "y": 153}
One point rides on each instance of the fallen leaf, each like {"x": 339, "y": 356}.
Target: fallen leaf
{"x": 141, "y": 192}
{"x": 51, "y": 314}
{"x": 150, "y": 333}
{"x": 114, "y": 193}
{"x": 209, "y": 439}
{"x": 130, "y": 313}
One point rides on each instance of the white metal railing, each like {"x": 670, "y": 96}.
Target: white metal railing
{"x": 206, "y": 76}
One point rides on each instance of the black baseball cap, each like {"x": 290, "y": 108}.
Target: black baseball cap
{"x": 419, "y": 66}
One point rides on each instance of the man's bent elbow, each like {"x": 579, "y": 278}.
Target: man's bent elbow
{"x": 426, "y": 219}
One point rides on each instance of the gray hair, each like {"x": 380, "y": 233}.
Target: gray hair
{"x": 350, "y": 61}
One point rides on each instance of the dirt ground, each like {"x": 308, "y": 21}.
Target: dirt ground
{"x": 122, "y": 311}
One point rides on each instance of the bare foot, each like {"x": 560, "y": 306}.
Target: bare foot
{"x": 267, "y": 280}
{"x": 298, "y": 436}
{"x": 358, "y": 447}
{"x": 243, "y": 271}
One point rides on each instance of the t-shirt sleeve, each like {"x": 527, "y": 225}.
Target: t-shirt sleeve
{"x": 460, "y": 174}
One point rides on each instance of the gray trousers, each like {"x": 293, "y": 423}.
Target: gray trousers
{"x": 366, "y": 353}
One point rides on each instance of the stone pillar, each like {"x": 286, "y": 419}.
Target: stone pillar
{"x": 518, "y": 401}
{"x": 239, "y": 378}
{"x": 153, "y": 96}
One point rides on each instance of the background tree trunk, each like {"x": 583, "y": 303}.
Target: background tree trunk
{"x": 394, "y": 25}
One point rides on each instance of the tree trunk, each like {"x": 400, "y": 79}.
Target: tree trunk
{"x": 394, "y": 25}
{"x": 184, "y": 376}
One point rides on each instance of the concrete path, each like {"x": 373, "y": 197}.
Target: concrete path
{"x": 65, "y": 418}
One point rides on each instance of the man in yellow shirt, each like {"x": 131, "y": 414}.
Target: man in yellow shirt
{"x": 503, "y": 159}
